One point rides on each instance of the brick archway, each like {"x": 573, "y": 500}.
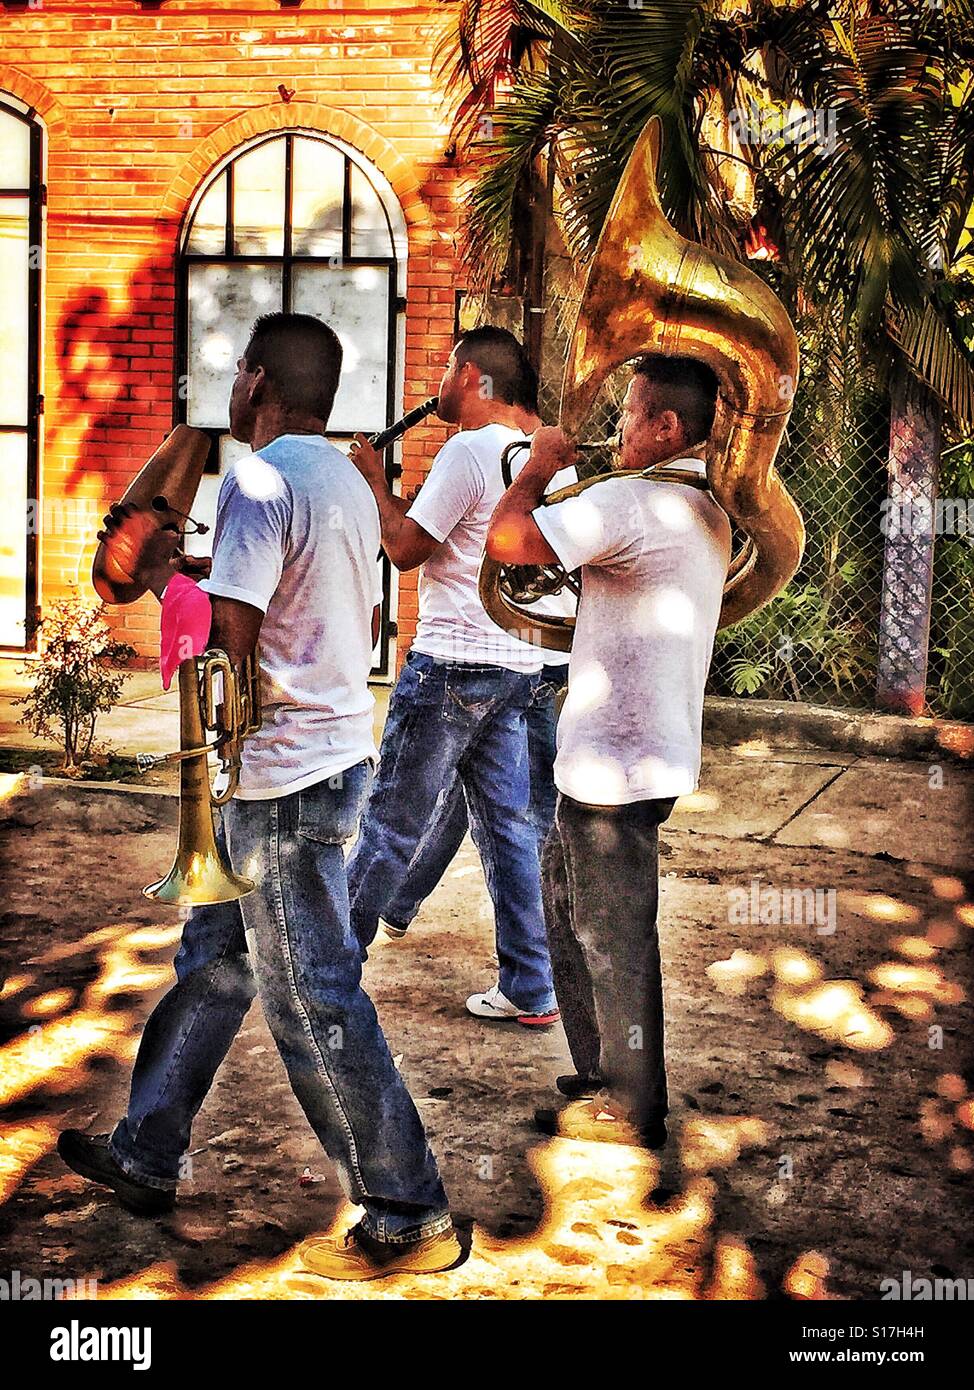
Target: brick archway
{"x": 307, "y": 115}
{"x": 38, "y": 98}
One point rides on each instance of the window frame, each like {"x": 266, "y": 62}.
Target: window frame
{"x": 36, "y": 195}
{"x": 287, "y": 261}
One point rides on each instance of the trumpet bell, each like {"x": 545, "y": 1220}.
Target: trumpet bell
{"x": 198, "y": 878}
{"x": 199, "y": 874}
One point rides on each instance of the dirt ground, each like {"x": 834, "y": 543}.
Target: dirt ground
{"x": 821, "y": 1080}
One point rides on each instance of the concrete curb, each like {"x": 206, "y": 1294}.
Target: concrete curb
{"x": 786, "y": 725}
{"x": 792, "y": 725}
{"x": 160, "y": 803}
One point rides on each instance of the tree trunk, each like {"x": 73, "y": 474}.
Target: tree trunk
{"x": 533, "y": 261}
{"x": 904, "y": 621}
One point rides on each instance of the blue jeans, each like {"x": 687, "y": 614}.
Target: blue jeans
{"x": 448, "y": 722}
{"x": 451, "y": 821}
{"x": 290, "y": 941}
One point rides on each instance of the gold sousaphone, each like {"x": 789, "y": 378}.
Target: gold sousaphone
{"x": 214, "y": 694}
{"x": 650, "y": 290}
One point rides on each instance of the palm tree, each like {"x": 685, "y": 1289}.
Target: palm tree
{"x": 872, "y": 218}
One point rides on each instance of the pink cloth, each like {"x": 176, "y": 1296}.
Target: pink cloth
{"x": 184, "y": 624}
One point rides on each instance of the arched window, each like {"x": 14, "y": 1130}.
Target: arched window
{"x": 301, "y": 223}
{"x": 21, "y": 213}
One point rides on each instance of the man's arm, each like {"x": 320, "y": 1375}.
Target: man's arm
{"x": 403, "y": 540}
{"x": 514, "y": 537}
{"x": 235, "y": 627}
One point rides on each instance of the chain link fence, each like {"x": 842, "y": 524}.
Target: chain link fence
{"x": 820, "y": 640}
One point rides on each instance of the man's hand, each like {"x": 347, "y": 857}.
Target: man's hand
{"x": 406, "y": 543}
{"x": 551, "y": 450}
{"x": 143, "y": 545}
{"x": 368, "y": 461}
{"x": 193, "y": 566}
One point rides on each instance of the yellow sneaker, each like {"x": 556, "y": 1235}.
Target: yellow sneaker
{"x": 356, "y": 1255}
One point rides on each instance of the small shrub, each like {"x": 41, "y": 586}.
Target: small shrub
{"x": 76, "y": 679}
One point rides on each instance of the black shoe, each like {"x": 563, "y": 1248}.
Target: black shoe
{"x": 574, "y": 1085}
{"x": 88, "y": 1154}
{"x": 586, "y": 1120}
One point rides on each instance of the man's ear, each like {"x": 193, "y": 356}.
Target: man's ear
{"x": 258, "y": 387}
{"x": 669, "y": 426}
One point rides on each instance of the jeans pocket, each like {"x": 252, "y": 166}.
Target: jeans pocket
{"x": 328, "y": 812}
{"x": 547, "y": 690}
{"x": 470, "y": 696}
{"x": 418, "y": 664}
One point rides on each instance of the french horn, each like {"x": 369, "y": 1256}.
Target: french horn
{"x": 650, "y": 290}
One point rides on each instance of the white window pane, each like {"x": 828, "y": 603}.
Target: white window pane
{"x": 370, "y": 231}
{"x": 224, "y": 300}
{"x": 13, "y": 539}
{"x": 208, "y": 235}
{"x": 230, "y": 450}
{"x": 14, "y": 152}
{"x": 203, "y": 509}
{"x": 354, "y": 301}
{"x": 318, "y": 190}
{"x": 258, "y": 200}
{"x": 13, "y": 311}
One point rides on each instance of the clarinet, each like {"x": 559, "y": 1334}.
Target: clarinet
{"x": 385, "y": 437}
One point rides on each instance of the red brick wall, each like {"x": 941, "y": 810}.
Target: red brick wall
{"x": 139, "y": 105}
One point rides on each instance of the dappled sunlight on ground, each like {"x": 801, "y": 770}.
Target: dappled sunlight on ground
{"x": 846, "y": 1011}
{"x": 53, "y": 1053}
{"x": 698, "y": 802}
{"x": 599, "y": 1239}
{"x": 835, "y": 1010}
{"x": 11, "y": 783}
{"x": 21, "y": 1146}
{"x": 771, "y": 1021}
{"x": 948, "y": 1120}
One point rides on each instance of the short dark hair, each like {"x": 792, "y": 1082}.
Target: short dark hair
{"x": 687, "y": 387}
{"x": 302, "y": 359}
{"x": 503, "y": 361}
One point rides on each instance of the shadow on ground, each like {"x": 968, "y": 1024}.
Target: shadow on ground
{"x": 820, "y": 1083}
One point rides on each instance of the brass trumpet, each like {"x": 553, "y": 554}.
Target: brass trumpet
{"x": 650, "y": 290}
{"x": 200, "y": 873}
{"x": 213, "y": 693}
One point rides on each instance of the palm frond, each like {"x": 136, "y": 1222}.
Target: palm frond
{"x": 487, "y": 44}
{"x": 925, "y": 339}
{"x": 521, "y": 128}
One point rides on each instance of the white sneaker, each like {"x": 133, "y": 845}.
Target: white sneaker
{"x": 497, "y": 1006}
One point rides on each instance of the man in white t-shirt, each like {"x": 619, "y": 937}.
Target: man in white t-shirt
{"x": 448, "y": 828}
{"x": 296, "y": 538}
{"x": 458, "y": 708}
{"x": 654, "y": 558}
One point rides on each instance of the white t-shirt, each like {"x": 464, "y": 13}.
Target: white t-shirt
{"x": 654, "y": 558}
{"x": 297, "y": 533}
{"x": 562, "y": 604}
{"x": 455, "y": 505}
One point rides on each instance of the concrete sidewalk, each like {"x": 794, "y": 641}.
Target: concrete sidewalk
{"x": 146, "y": 719}
{"x": 909, "y": 810}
